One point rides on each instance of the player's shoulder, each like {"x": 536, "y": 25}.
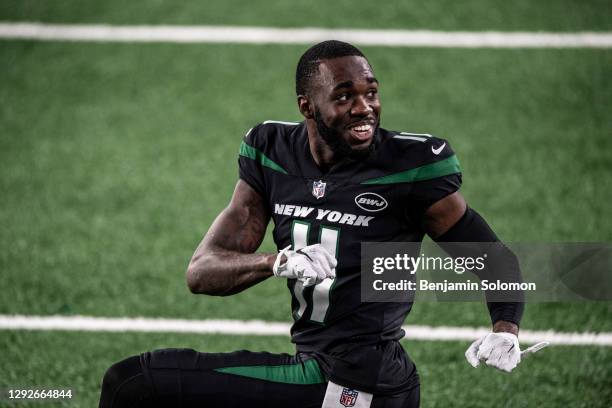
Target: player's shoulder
{"x": 270, "y": 134}
{"x": 273, "y": 143}
{"x": 408, "y": 150}
{"x": 418, "y": 142}
{"x": 406, "y": 157}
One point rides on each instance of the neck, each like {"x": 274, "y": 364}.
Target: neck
{"x": 321, "y": 152}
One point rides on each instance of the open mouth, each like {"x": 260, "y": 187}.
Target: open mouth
{"x": 361, "y": 132}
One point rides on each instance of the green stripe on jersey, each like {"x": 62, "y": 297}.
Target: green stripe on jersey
{"x": 450, "y": 165}
{"x": 254, "y": 154}
{"x": 306, "y": 373}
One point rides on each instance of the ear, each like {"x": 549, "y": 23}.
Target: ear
{"x": 305, "y": 106}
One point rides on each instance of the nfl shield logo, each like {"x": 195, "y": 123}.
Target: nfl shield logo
{"x": 348, "y": 397}
{"x": 318, "y": 189}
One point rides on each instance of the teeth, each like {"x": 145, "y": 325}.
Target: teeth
{"x": 362, "y": 128}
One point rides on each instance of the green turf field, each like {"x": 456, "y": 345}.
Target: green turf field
{"x": 115, "y": 158}
{"x": 554, "y": 15}
{"x": 563, "y": 376}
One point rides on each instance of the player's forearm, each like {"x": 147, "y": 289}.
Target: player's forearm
{"x": 225, "y": 262}
{"x": 220, "y": 272}
{"x": 502, "y": 264}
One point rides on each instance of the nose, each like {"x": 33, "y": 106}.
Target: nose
{"x": 361, "y": 107}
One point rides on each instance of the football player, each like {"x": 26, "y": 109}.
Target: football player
{"x": 307, "y": 177}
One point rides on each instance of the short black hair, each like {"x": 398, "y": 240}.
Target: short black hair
{"x": 308, "y": 65}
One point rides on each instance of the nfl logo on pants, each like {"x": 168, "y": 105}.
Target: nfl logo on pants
{"x": 348, "y": 397}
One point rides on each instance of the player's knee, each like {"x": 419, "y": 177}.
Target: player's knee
{"x": 113, "y": 376}
{"x": 123, "y": 384}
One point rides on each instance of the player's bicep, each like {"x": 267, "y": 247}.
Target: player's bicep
{"x": 443, "y": 214}
{"x": 241, "y": 226}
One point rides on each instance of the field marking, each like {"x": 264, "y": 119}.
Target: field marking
{"x": 270, "y": 35}
{"x": 262, "y": 328}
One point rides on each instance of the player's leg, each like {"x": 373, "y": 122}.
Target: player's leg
{"x": 407, "y": 399}
{"x": 186, "y": 378}
{"x": 124, "y": 384}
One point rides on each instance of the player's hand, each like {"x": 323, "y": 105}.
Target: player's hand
{"x": 310, "y": 264}
{"x": 499, "y": 350}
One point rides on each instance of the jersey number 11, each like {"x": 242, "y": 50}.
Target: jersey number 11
{"x": 328, "y": 237}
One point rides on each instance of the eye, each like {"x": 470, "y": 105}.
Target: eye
{"x": 372, "y": 93}
{"x": 343, "y": 97}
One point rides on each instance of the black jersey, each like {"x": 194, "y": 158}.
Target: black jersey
{"x": 380, "y": 198}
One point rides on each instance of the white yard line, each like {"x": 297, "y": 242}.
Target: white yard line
{"x": 270, "y": 35}
{"x": 262, "y": 328}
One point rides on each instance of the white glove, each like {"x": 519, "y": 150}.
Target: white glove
{"x": 310, "y": 264}
{"x": 499, "y": 350}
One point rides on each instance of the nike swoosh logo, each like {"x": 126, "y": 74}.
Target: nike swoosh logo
{"x": 438, "y": 150}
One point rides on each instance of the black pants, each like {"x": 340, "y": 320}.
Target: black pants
{"x": 186, "y": 378}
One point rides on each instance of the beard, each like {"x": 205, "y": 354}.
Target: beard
{"x": 340, "y": 147}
